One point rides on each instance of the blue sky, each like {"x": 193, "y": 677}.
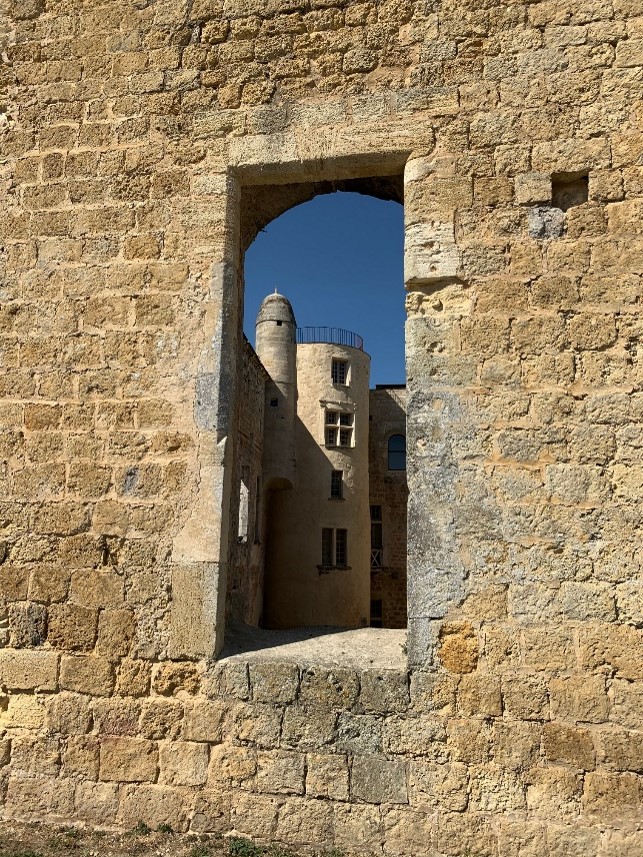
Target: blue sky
{"x": 339, "y": 260}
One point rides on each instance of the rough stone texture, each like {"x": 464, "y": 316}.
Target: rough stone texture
{"x": 142, "y": 146}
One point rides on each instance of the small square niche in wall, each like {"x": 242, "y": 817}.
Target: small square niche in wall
{"x": 569, "y": 189}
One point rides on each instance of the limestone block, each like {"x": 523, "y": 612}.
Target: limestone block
{"x": 255, "y": 723}
{"x": 68, "y": 714}
{"x": 133, "y": 677}
{"x": 255, "y": 815}
{"x": 81, "y": 757}
{"x": 155, "y": 805}
{"x": 39, "y": 797}
{"x": 433, "y": 692}
{"x": 327, "y": 776}
{"x": 48, "y": 583}
{"x": 516, "y": 744}
{"x": 444, "y": 787}
{"x": 211, "y": 813}
{"x": 357, "y": 826}
{"x": 170, "y": 679}
{"x": 526, "y": 697}
{"x": 116, "y": 629}
{"x": 377, "y": 780}
{"x": 128, "y": 760}
{"x": 521, "y": 838}
{"x": 28, "y": 670}
{"x": 232, "y": 766}
{"x": 569, "y": 745}
{"x": 531, "y": 188}
{"x": 609, "y": 795}
{"x": 620, "y": 750}
{"x": 194, "y": 607}
{"x": 473, "y": 833}
{"x": 581, "y": 698}
{"x": 384, "y": 692}
{"x": 469, "y": 741}
{"x": 35, "y": 756}
{"x": 280, "y": 772}
{"x": 458, "y": 649}
{"x": 407, "y": 831}
{"x": 204, "y": 720}
{"x": 553, "y": 792}
{"x": 611, "y": 647}
{"x": 358, "y": 733}
{"x": 228, "y": 680}
{"x": 479, "y": 695}
{"x": 572, "y": 840}
{"x": 96, "y": 803}
{"x": 322, "y": 688}
{"x": 161, "y": 718}
{"x": 307, "y": 728}
{"x": 72, "y": 627}
{"x": 415, "y": 736}
{"x": 183, "y": 763}
{"x": 14, "y": 582}
{"x": 86, "y": 674}
{"x": 494, "y": 789}
{"x": 116, "y": 716}
{"x": 305, "y": 821}
{"x": 587, "y": 601}
{"x": 274, "y": 682}
{"x": 27, "y": 624}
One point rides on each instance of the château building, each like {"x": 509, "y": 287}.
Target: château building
{"x": 322, "y": 486}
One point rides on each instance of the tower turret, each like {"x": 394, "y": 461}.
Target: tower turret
{"x": 276, "y": 347}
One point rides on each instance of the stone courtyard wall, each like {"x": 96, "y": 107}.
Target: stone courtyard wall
{"x": 142, "y": 147}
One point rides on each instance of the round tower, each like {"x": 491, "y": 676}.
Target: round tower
{"x": 276, "y": 347}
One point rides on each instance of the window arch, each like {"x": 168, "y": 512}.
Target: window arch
{"x": 397, "y": 452}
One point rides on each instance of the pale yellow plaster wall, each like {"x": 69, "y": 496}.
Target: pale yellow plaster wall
{"x": 296, "y": 592}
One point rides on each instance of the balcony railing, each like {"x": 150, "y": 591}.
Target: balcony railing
{"x": 331, "y": 335}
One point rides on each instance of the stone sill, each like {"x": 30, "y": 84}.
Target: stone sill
{"x": 359, "y": 648}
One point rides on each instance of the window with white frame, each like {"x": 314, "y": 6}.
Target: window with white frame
{"x": 338, "y": 428}
{"x": 339, "y": 371}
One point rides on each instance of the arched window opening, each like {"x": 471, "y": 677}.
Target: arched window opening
{"x": 397, "y": 452}
{"x": 324, "y": 309}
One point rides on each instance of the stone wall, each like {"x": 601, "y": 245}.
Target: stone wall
{"x": 388, "y": 490}
{"x": 142, "y": 146}
{"x": 245, "y": 585}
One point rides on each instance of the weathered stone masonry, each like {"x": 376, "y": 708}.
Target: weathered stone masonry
{"x": 143, "y": 144}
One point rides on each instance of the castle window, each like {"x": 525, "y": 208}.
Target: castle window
{"x": 397, "y": 452}
{"x": 339, "y": 372}
{"x": 337, "y": 484}
{"x": 334, "y": 548}
{"x": 341, "y": 547}
{"x": 244, "y": 497}
{"x": 376, "y": 537}
{"x": 338, "y": 428}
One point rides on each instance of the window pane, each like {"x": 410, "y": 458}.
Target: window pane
{"x": 346, "y": 419}
{"x": 331, "y": 418}
{"x": 376, "y": 513}
{"x": 331, "y": 437}
{"x": 344, "y": 437}
{"x": 327, "y": 546}
{"x": 336, "y": 483}
{"x": 376, "y": 534}
{"x": 397, "y": 452}
{"x": 341, "y": 546}
{"x": 339, "y": 371}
